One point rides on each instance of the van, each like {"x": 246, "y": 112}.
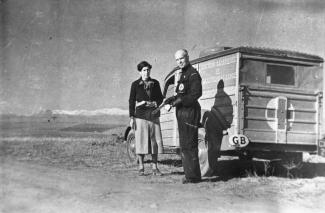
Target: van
{"x": 268, "y": 103}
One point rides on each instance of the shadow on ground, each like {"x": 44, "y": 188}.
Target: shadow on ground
{"x": 171, "y": 162}
{"x": 228, "y": 169}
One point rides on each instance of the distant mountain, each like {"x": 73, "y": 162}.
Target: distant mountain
{"x": 105, "y": 111}
{"x": 110, "y": 116}
{"x": 57, "y": 112}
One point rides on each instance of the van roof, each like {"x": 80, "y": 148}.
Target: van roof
{"x": 258, "y": 51}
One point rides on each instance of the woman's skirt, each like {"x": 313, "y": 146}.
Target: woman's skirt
{"x": 148, "y": 139}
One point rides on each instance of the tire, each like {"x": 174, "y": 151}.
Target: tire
{"x": 292, "y": 163}
{"x": 130, "y": 146}
{"x": 207, "y": 157}
{"x": 292, "y": 160}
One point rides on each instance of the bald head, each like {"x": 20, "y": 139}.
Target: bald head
{"x": 182, "y": 58}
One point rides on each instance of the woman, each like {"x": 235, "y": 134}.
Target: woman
{"x": 145, "y": 96}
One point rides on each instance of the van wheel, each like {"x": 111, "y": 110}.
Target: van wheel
{"x": 130, "y": 146}
{"x": 292, "y": 160}
{"x": 207, "y": 158}
{"x": 292, "y": 163}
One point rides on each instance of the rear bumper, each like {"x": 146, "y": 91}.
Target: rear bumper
{"x": 281, "y": 147}
{"x": 271, "y": 151}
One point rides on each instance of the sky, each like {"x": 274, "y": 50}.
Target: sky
{"x": 82, "y": 54}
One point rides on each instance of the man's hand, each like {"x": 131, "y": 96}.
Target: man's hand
{"x": 176, "y": 102}
{"x": 169, "y": 100}
{"x": 168, "y": 107}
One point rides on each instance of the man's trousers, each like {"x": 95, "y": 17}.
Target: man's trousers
{"x": 188, "y": 119}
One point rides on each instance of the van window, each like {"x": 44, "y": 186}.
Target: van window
{"x": 279, "y": 74}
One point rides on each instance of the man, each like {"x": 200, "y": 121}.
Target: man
{"x": 188, "y": 112}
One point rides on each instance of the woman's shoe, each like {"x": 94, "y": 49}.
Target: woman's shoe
{"x": 141, "y": 172}
{"x": 156, "y": 172}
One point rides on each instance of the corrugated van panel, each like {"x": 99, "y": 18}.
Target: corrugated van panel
{"x": 261, "y": 136}
{"x": 303, "y": 104}
{"x": 304, "y": 138}
{"x": 302, "y": 115}
{"x": 260, "y": 114}
{"x": 168, "y": 137}
{"x": 261, "y": 124}
{"x": 167, "y": 132}
{"x": 302, "y": 127}
{"x": 208, "y": 103}
{"x": 210, "y": 94}
{"x": 168, "y": 141}
{"x": 253, "y": 100}
{"x": 168, "y": 116}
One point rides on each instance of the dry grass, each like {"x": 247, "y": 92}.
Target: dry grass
{"x": 90, "y": 151}
{"x": 48, "y": 143}
{"x": 250, "y": 183}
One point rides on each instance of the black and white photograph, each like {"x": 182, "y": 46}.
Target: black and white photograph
{"x": 145, "y": 106}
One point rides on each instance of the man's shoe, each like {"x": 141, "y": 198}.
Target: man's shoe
{"x": 185, "y": 180}
{"x": 156, "y": 172}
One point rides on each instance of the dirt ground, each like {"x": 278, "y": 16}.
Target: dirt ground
{"x": 93, "y": 174}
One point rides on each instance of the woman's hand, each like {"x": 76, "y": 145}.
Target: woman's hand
{"x": 146, "y": 103}
{"x": 151, "y": 104}
{"x": 132, "y": 123}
